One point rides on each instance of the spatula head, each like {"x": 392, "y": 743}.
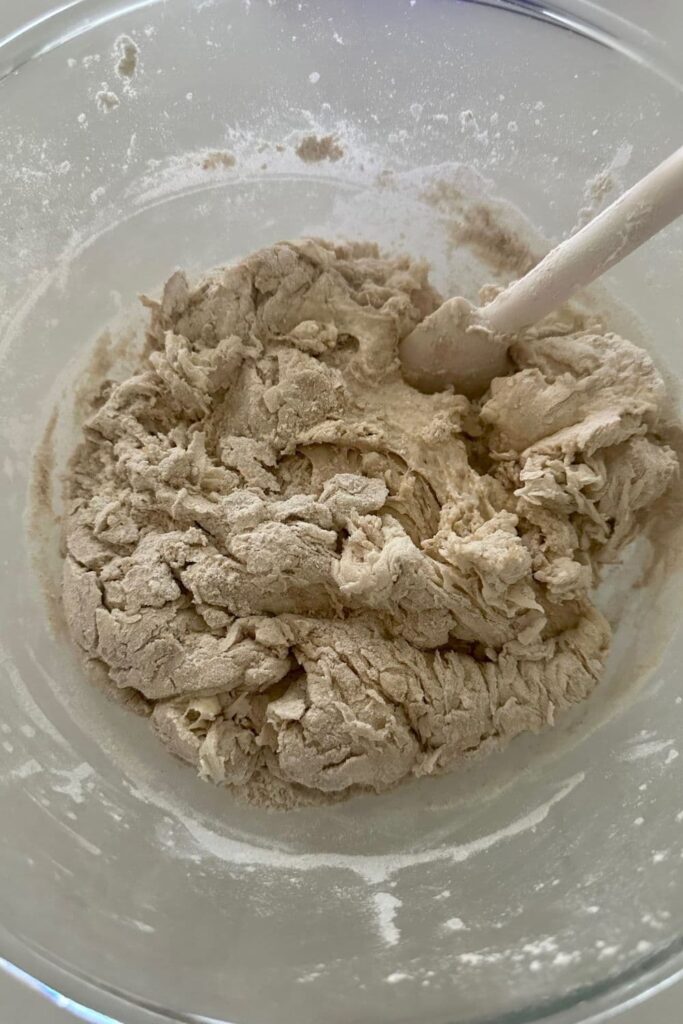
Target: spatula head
{"x": 451, "y": 349}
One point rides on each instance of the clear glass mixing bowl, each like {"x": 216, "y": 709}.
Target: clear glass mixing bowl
{"x": 544, "y": 885}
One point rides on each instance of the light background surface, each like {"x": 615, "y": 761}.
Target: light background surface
{"x": 19, "y": 1005}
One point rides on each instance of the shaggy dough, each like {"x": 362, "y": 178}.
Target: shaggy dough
{"x": 317, "y": 579}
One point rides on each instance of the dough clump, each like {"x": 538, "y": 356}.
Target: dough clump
{"x": 319, "y": 581}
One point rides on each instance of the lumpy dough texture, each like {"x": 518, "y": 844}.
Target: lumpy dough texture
{"x": 318, "y": 580}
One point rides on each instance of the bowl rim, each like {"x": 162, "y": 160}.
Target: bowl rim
{"x": 95, "y": 1002}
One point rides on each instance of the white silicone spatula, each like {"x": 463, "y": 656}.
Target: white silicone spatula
{"x": 466, "y": 347}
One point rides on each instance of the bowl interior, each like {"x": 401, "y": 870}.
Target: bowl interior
{"x": 543, "y": 884}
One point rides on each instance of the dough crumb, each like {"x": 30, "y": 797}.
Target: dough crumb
{"x": 314, "y": 149}
{"x": 107, "y": 100}
{"x": 127, "y": 53}
{"x": 318, "y": 581}
{"x": 214, "y": 161}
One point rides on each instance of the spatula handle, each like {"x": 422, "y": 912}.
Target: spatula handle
{"x": 634, "y": 217}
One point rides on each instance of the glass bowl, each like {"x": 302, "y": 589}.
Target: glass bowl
{"x": 544, "y": 885}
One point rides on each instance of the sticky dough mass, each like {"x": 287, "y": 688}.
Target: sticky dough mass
{"x": 318, "y": 580}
